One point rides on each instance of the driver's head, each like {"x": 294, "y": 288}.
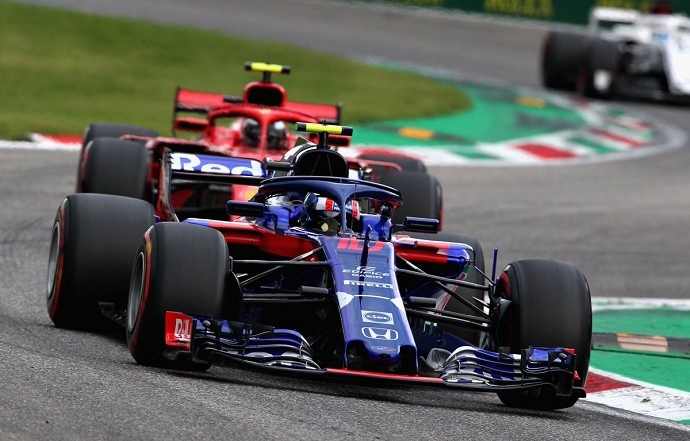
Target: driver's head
{"x": 277, "y": 136}
{"x": 251, "y": 132}
{"x": 320, "y": 214}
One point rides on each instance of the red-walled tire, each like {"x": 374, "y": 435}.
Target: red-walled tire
{"x": 93, "y": 244}
{"x": 178, "y": 267}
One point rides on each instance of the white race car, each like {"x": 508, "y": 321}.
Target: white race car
{"x": 625, "y": 53}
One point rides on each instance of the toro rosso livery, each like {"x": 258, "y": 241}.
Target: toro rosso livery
{"x": 314, "y": 278}
{"x": 626, "y": 53}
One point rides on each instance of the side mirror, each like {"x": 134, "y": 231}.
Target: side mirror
{"x": 247, "y": 209}
{"x": 421, "y": 225}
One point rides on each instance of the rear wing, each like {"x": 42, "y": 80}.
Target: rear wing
{"x": 262, "y": 93}
{"x": 189, "y": 101}
{"x": 604, "y": 18}
{"x": 215, "y": 168}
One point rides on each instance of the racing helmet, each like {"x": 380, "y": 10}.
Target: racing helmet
{"x": 251, "y": 132}
{"x": 277, "y": 136}
{"x": 322, "y": 214}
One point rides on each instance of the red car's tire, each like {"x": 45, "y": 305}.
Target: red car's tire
{"x": 93, "y": 244}
{"x": 107, "y": 130}
{"x": 422, "y": 194}
{"x": 550, "y": 306}
{"x": 178, "y": 267}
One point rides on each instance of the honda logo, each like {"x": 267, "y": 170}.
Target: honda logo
{"x": 380, "y": 333}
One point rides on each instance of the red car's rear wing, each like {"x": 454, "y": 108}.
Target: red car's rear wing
{"x": 193, "y": 101}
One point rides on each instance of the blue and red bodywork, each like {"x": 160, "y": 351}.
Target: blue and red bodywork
{"x": 339, "y": 304}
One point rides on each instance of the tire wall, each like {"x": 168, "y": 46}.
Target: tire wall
{"x": 558, "y": 11}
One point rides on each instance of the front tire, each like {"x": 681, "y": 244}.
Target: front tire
{"x": 561, "y": 53}
{"x": 178, "y": 267}
{"x": 93, "y": 243}
{"x": 550, "y": 306}
{"x": 599, "y": 70}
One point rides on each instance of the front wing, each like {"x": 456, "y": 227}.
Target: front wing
{"x": 260, "y": 347}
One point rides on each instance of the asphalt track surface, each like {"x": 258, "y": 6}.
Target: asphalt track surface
{"x": 624, "y": 223}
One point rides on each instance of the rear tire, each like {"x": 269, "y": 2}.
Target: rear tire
{"x": 550, "y": 306}
{"x": 178, "y": 267}
{"x": 561, "y": 53}
{"x": 93, "y": 243}
{"x": 422, "y": 194}
{"x": 115, "y": 166}
{"x": 107, "y": 130}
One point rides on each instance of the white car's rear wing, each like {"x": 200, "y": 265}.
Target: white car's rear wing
{"x": 605, "y": 18}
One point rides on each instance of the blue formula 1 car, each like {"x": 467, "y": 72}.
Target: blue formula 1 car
{"x": 312, "y": 277}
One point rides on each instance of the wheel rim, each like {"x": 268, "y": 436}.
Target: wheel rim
{"x": 53, "y": 261}
{"x": 136, "y": 291}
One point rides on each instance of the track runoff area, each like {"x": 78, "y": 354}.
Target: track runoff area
{"x": 641, "y": 346}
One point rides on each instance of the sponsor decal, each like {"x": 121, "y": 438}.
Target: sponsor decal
{"x": 377, "y": 317}
{"x": 368, "y": 272}
{"x": 348, "y": 243}
{"x": 216, "y": 164}
{"x": 178, "y": 330}
{"x": 380, "y": 333}
{"x": 382, "y": 349}
{"x": 369, "y": 284}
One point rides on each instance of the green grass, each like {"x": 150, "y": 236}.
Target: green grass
{"x": 62, "y": 70}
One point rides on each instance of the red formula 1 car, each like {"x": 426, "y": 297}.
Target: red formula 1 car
{"x": 314, "y": 279}
{"x": 256, "y": 125}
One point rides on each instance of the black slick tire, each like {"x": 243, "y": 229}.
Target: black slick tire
{"x": 107, "y": 130}
{"x": 93, "y": 244}
{"x": 422, "y": 194}
{"x": 550, "y": 306}
{"x": 561, "y": 53}
{"x": 601, "y": 56}
{"x": 178, "y": 267}
{"x": 115, "y": 166}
